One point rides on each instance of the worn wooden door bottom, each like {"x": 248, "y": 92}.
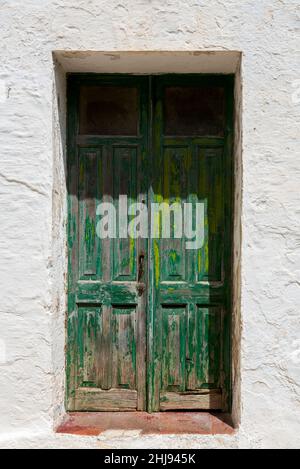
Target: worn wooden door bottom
{"x": 113, "y": 400}
{"x": 200, "y": 399}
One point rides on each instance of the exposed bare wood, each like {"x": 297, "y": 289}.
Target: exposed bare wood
{"x": 203, "y": 400}
{"x": 100, "y": 400}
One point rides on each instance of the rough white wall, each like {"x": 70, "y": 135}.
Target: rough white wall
{"x": 32, "y": 211}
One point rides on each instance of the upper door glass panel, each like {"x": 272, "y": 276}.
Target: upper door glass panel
{"x": 109, "y": 110}
{"x": 192, "y": 111}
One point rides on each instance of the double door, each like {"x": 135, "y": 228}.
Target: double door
{"x": 149, "y": 240}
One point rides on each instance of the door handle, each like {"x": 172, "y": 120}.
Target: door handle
{"x": 141, "y": 267}
{"x": 141, "y": 270}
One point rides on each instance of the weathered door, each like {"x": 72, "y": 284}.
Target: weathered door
{"x": 149, "y": 319}
{"x": 190, "y": 296}
{"x": 106, "y": 326}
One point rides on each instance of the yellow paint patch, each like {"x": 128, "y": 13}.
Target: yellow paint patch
{"x": 173, "y": 255}
{"x": 206, "y": 258}
{"x": 156, "y": 262}
{"x": 131, "y": 246}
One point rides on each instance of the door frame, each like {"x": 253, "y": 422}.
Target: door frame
{"x": 227, "y": 81}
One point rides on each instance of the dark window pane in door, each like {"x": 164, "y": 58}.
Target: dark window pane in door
{"x": 194, "y": 111}
{"x": 108, "y": 110}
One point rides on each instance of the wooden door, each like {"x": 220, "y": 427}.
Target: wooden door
{"x": 107, "y": 157}
{"x": 190, "y": 288}
{"x": 149, "y": 319}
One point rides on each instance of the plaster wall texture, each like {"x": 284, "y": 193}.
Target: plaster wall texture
{"x": 33, "y": 208}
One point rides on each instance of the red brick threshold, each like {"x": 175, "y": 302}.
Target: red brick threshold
{"x": 94, "y": 423}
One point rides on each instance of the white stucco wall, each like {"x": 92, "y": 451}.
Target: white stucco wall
{"x": 32, "y": 203}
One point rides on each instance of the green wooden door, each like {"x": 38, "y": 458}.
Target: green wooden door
{"x": 190, "y": 288}
{"x": 149, "y": 319}
{"x": 107, "y": 316}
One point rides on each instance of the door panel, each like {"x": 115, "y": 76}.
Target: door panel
{"x": 193, "y": 109}
{"x": 109, "y": 109}
{"x": 90, "y": 332}
{"x": 174, "y": 325}
{"x": 124, "y": 347}
{"x": 205, "y": 348}
{"x": 90, "y": 166}
{"x": 149, "y": 319}
{"x": 125, "y": 183}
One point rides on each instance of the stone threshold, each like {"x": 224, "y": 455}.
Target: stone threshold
{"x": 95, "y": 423}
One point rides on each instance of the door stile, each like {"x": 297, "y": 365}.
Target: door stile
{"x": 142, "y": 255}
{"x": 155, "y": 345}
{"x": 150, "y": 317}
